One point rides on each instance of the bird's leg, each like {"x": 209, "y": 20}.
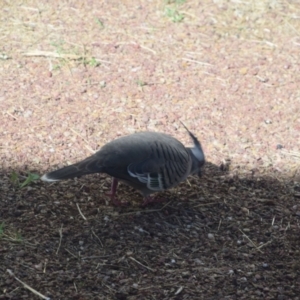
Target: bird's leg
{"x": 113, "y": 191}
{"x": 113, "y": 188}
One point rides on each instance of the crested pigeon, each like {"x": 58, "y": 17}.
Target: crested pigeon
{"x": 148, "y": 161}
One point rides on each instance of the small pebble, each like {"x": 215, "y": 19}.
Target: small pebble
{"x": 279, "y": 146}
{"x": 211, "y": 236}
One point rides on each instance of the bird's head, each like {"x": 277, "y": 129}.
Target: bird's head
{"x": 197, "y": 152}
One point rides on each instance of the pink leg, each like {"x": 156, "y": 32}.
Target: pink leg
{"x": 113, "y": 191}
{"x": 113, "y": 188}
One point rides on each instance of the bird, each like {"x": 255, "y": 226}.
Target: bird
{"x": 148, "y": 161}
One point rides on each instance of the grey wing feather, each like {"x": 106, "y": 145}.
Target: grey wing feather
{"x": 167, "y": 167}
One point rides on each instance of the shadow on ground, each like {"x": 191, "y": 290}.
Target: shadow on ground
{"x": 216, "y": 237}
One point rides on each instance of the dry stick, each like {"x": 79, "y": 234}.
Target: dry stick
{"x": 45, "y": 266}
{"x": 144, "y": 47}
{"x": 61, "y": 55}
{"x": 26, "y": 286}
{"x": 88, "y": 147}
{"x": 97, "y": 237}
{"x": 11, "y": 115}
{"x": 219, "y": 224}
{"x": 291, "y": 153}
{"x": 141, "y": 264}
{"x": 204, "y": 204}
{"x": 60, "y": 238}
{"x": 110, "y": 288}
{"x": 71, "y": 253}
{"x": 250, "y": 241}
{"x": 197, "y": 61}
{"x": 84, "y": 218}
{"x": 265, "y": 244}
{"x": 179, "y": 290}
{"x": 52, "y": 54}
{"x": 145, "y": 211}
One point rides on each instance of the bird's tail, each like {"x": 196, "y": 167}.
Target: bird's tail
{"x": 88, "y": 166}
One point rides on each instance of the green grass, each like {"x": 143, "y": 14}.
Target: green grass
{"x": 100, "y": 23}
{"x": 141, "y": 82}
{"x": 14, "y": 178}
{"x": 90, "y": 62}
{"x": 59, "y": 46}
{"x": 1, "y": 230}
{"x": 177, "y": 2}
{"x": 70, "y": 53}
{"x": 31, "y": 177}
{"x": 172, "y": 10}
{"x": 13, "y": 236}
{"x": 174, "y": 14}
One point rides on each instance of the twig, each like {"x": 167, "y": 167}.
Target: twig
{"x": 60, "y": 238}
{"x": 179, "y": 290}
{"x": 219, "y": 224}
{"x": 62, "y": 55}
{"x": 88, "y": 147}
{"x": 45, "y": 266}
{"x": 265, "y": 244}
{"x": 53, "y": 54}
{"x": 11, "y": 115}
{"x": 145, "y": 211}
{"x": 141, "y": 264}
{"x": 97, "y": 237}
{"x": 291, "y": 153}
{"x": 250, "y": 241}
{"x": 94, "y": 256}
{"x": 71, "y": 253}
{"x": 110, "y": 288}
{"x": 144, "y": 47}
{"x": 197, "y": 61}
{"x": 204, "y": 204}
{"x": 273, "y": 220}
{"x": 149, "y": 49}
{"x": 84, "y": 218}
{"x": 26, "y": 286}
{"x": 30, "y": 8}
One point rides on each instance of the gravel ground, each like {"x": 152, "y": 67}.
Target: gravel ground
{"x": 75, "y": 75}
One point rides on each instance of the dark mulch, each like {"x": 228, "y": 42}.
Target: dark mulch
{"x": 217, "y": 237}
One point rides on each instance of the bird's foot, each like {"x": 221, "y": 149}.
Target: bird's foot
{"x": 112, "y": 194}
{"x": 148, "y": 200}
